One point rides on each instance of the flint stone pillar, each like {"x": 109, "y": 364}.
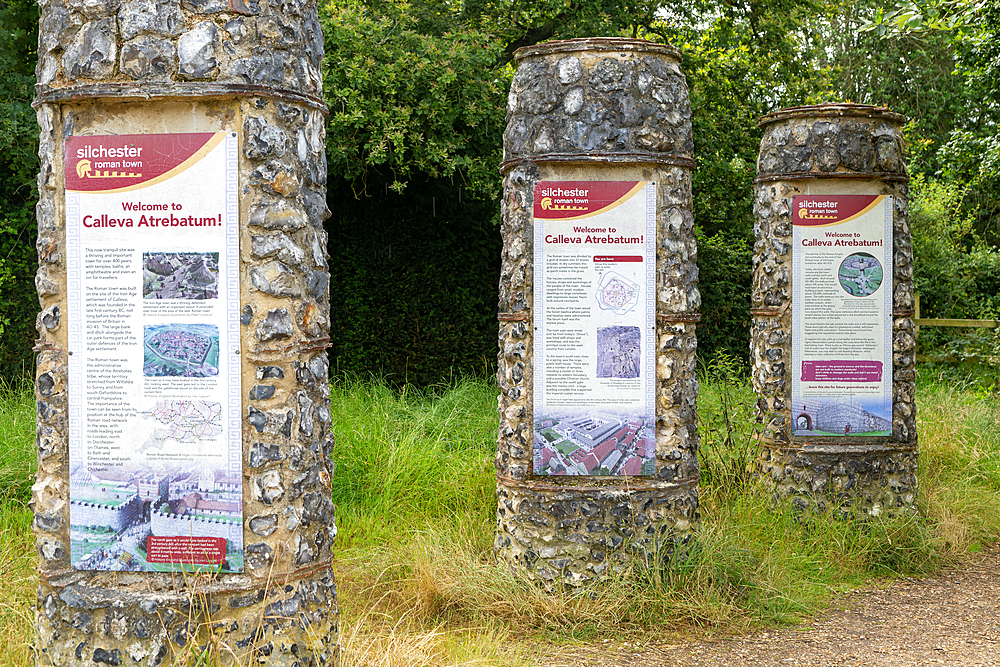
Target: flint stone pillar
{"x": 250, "y": 73}
{"x": 849, "y": 439}
{"x": 596, "y": 113}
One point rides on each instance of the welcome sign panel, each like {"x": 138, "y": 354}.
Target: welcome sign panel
{"x": 842, "y": 315}
{"x": 595, "y": 308}
{"x": 155, "y": 402}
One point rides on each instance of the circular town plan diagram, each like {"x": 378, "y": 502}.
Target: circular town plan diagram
{"x": 860, "y": 274}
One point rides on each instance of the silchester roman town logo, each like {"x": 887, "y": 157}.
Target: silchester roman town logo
{"x": 547, "y": 205}
{"x": 109, "y": 162}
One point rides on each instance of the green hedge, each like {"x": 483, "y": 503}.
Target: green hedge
{"x": 413, "y": 290}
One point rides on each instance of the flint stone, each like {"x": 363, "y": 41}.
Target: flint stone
{"x": 305, "y": 553}
{"x": 206, "y": 6}
{"x": 51, "y": 549}
{"x": 56, "y": 29}
{"x": 286, "y": 427}
{"x": 258, "y": 555}
{"x": 247, "y": 599}
{"x": 257, "y": 419}
{"x": 246, "y": 315}
{"x": 269, "y": 487}
{"x": 317, "y": 283}
{"x": 277, "y": 324}
{"x": 573, "y": 101}
{"x": 163, "y": 19}
{"x": 274, "y": 278}
{"x": 609, "y": 75}
{"x": 315, "y": 207}
{"x": 270, "y": 373}
{"x": 196, "y": 51}
{"x": 320, "y": 367}
{"x": 263, "y": 526}
{"x": 303, "y": 375}
{"x": 278, "y": 215}
{"x": 569, "y": 70}
{"x": 238, "y": 30}
{"x": 261, "y": 139}
{"x": 274, "y": 28}
{"x": 280, "y": 246}
{"x": 46, "y": 384}
{"x": 148, "y": 58}
{"x": 305, "y": 415}
{"x": 856, "y": 149}
{"x": 318, "y": 247}
{"x": 264, "y": 69}
{"x": 112, "y": 657}
{"x": 243, "y": 7}
{"x": 261, "y": 392}
{"x": 93, "y": 53}
{"x": 261, "y": 453}
{"x": 50, "y": 521}
{"x": 314, "y": 40}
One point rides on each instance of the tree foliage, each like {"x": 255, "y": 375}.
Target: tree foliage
{"x": 18, "y": 166}
{"x": 417, "y": 95}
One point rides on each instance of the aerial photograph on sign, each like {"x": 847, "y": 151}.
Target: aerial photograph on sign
{"x": 594, "y": 445}
{"x": 860, "y": 274}
{"x": 182, "y": 350}
{"x": 618, "y": 352}
{"x": 180, "y": 275}
{"x": 114, "y": 513}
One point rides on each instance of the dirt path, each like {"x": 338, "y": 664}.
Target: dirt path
{"x": 950, "y": 619}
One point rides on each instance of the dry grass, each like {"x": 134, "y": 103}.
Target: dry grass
{"x": 18, "y": 574}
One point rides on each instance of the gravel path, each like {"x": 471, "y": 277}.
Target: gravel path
{"x": 950, "y": 619}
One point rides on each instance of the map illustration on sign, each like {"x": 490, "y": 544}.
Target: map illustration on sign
{"x": 617, "y": 293}
{"x": 860, "y": 274}
{"x": 185, "y": 421}
{"x": 185, "y": 350}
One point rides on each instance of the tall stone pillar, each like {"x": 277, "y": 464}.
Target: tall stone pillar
{"x": 832, "y": 339}
{"x": 597, "y": 450}
{"x": 182, "y": 258}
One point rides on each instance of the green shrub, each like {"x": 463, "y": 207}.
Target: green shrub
{"x": 724, "y": 274}
{"x": 413, "y": 283}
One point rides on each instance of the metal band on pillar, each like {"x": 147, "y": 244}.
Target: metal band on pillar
{"x": 182, "y": 504}
{"x": 596, "y": 309}
{"x": 832, "y": 339}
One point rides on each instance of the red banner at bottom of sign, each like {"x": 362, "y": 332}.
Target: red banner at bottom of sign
{"x": 618, "y": 258}
{"x": 180, "y": 549}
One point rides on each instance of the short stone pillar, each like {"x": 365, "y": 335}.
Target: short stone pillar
{"x": 597, "y": 449}
{"x": 182, "y": 503}
{"x": 832, "y": 339}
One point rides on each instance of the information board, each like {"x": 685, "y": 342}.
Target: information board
{"x": 152, "y": 231}
{"x": 842, "y": 315}
{"x": 595, "y": 327}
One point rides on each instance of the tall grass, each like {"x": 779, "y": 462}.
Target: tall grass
{"x": 17, "y": 554}
{"x": 418, "y": 582}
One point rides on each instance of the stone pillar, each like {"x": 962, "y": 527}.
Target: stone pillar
{"x": 833, "y": 152}
{"x": 253, "y": 70}
{"x": 598, "y": 110}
